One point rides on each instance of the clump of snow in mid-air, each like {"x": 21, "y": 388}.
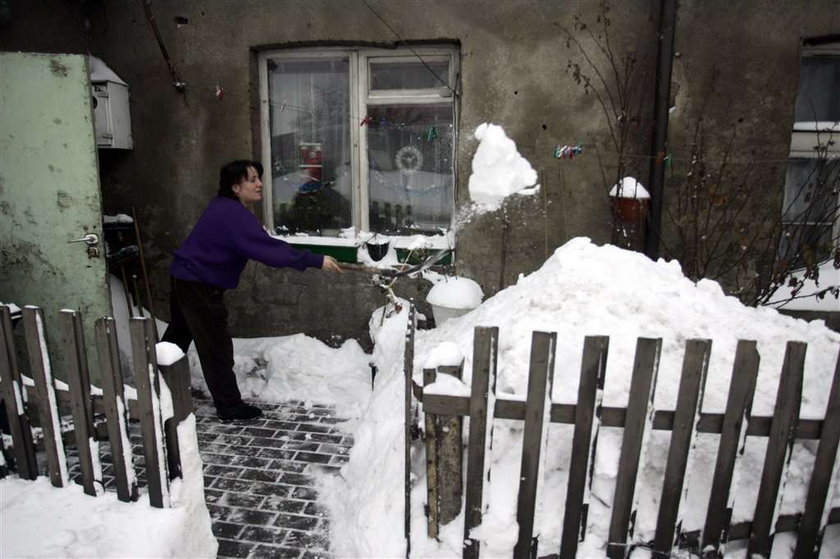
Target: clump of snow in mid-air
{"x": 498, "y": 170}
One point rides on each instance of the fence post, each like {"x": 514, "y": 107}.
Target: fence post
{"x": 815, "y": 517}
{"x": 482, "y": 404}
{"x": 177, "y": 378}
{"x": 39, "y": 362}
{"x": 733, "y": 435}
{"x": 78, "y": 379}
{"x": 408, "y": 370}
{"x": 12, "y": 392}
{"x": 147, "y": 381}
{"x": 779, "y": 447}
{"x": 537, "y": 411}
{"x": 451, "y": 458}
{"x": 636, "y": 430}
{"x": 432, "y": 461}
{"x": 115, "y": 408}
{"x": 590, "y": 390}
{"x": 686, "y": 415}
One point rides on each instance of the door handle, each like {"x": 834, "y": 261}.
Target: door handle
{"x": 91, "y": 239}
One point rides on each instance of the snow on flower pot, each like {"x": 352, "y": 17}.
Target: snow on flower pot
{"x": 452, "y": 297}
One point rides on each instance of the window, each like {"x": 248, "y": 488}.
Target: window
{"x": 361, "y": 138}
{"x": 810, "y": 228}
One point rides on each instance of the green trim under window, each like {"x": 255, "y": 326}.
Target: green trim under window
{"x": 348, "y": 253}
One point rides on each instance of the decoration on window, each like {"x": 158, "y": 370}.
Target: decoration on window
{"x": 567, "y": 152}
{"x": 431, "y": 134}
{"x": 408, "y": 159}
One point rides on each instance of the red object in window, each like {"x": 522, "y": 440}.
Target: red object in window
{"x": 311, "y": 160}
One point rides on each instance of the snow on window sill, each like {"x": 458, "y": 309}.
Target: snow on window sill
{"x": 435, "y": 242}
{"x": 817, "y": 126}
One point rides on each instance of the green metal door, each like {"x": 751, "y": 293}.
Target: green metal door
{"x": 49, "y": 194}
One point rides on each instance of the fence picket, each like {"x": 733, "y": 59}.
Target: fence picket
{"x": 451, "y": 454}
{"x": 779, "y": 448}
{"x": 78, "y": 379}
{"x": 408, "y": 371}
{"x": 12, "y": 392}
{"x": 482, "y": 402}
{"x": 587, "y": 425}
{"x": 686, "y": 415}
{"x": 432, "y": 461}
{"x": 177, "y": 379}
{"x": 639, "y": 422}
{"x": 147, "y": 382}
{"x": 733, "y": 436}
{"x": 39, "y": 363}
{"x": 815, "y": 517}
{"x": 115, "y": 410}
{"x": 537, "y": 407}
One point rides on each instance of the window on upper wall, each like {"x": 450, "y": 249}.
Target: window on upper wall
{"x": 359, "y": 138}
{"x": 810, "y": 224}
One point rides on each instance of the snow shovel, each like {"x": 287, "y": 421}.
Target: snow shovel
{"x": 430, "y": 261}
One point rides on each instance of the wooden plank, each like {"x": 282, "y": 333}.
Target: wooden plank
{"x": 815, "y": 516}
{"x": 482, "y": 396}
{"x": 146, "y": 381}
{"x": 663, "y": 420}
{"x": 176, "y": 379}
{"x": 636, "y": 430}
{"x": 408, "y": 371}
{"x": 11, "y": 391}
{"x": 540, "y": 382}
{"x": 39, "y": 364}
{"x": 587, "y": 425}
{"x": 686, "y": 415}
{"x": 733, "y": 436}
{"x": 779, "y": 447}
{"x": 78, "y": 379}
{"x": 113, "y": 399}
{"x": 451, "y": 459}
{"x": 432, "y": 488}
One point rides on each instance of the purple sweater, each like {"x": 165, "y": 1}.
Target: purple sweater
{"x": 225, "y": 237}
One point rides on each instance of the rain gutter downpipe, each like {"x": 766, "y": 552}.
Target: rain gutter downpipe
{"x": 661, "y": 106}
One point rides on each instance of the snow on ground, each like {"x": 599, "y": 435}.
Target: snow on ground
{"x": 39, "y": 520}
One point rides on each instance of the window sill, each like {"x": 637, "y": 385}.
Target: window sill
{"x": 346, "y": 250}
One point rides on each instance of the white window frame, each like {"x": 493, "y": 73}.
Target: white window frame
{"x": 360, "y": 97}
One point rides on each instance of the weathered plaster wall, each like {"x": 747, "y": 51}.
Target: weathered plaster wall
{"x": 741, "y": 60}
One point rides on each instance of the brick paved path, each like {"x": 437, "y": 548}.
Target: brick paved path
{"x": 259, "y": 477}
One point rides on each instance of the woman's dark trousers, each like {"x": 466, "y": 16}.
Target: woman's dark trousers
{"x": 199, "y": 314}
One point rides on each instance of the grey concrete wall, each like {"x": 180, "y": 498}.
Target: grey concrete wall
{"x": 735, "y": 62}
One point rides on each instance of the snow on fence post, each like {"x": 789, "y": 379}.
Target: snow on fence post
{"x": 148, "y": 386}
{"x": 177, "y": 378}
{"x": 39, "y": 362}
{"x": 78, "y": 379}
{"x": 779, "y": 448}
{"x": 733, "y": 436}
{"x": 638, "y": 423}
{"x": 587, "y": 423}
{"x": 115, "y": 409}
{"x": 482, "y": 410}
{"x": 537, "y": 415}
{"x": 815, "y": 517}
{"x": 683, "y": 440}
{"x": 12, "y": 392}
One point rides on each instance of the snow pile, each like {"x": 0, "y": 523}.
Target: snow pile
{"x": 497, "y": 169}
{"x": 629, "y": 187}
{"x": 455, "y": 293}
{"x": 581, "y": 290}
{"x": 39, "y": 520}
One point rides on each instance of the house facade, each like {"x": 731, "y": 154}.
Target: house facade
{"x": 363, "y": 112}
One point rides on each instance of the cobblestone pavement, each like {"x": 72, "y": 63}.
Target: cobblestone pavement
{"x": 260, "y": 477}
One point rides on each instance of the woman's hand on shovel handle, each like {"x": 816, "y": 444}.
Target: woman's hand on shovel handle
{"x": 330, "y": 265}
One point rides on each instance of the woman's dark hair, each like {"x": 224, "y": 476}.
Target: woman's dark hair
{"x": 233, "y": 173}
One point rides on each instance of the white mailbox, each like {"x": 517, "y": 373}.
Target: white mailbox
{"x": 112, "y": 120}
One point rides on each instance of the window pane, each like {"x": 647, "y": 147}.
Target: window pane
{"x": 819, "y": 89}
{"x": 410, "y": 168}
{"x": 310, "y": 144}
{"x": 812, "y": 187}
{"x": 411, "y": 74}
